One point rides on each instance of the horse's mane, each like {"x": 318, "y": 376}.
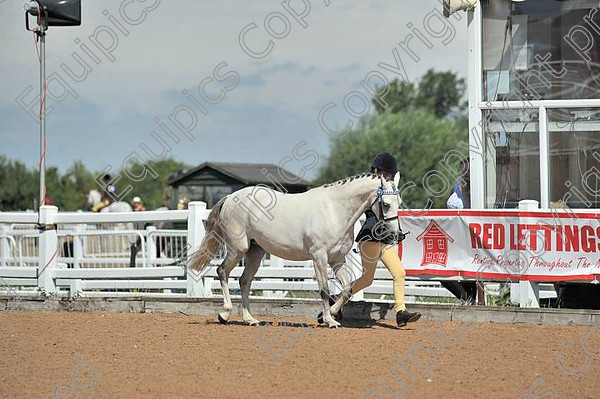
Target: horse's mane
{"x": 349, "y": 179}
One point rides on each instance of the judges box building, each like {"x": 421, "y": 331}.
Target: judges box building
{"x": 534, "y": 101}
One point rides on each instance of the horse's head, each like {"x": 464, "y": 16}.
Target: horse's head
{"x": 385, "y": 207}
{"x": 94, "y": 197}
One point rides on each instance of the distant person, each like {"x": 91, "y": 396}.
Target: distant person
{"x": 182, "y": 203}
{"x": 138, "y": 205}
{"x": 460, "y": 199}
{"x": 107, "y": 193}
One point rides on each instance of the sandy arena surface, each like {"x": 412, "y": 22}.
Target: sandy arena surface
{"x": 179, "y": 356}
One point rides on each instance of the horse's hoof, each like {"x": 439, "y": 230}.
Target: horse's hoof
{"x": 255, "y": 323}
{"x": 320, "y": 318}
{"x": 338, "y": 317}
{"x": 333, "y": 324}
{"x": 221, "y": 319}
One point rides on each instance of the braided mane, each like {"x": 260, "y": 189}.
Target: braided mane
{"x": 349, "y": 179}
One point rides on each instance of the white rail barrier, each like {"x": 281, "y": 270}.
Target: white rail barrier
{"x": 96, "y": 255}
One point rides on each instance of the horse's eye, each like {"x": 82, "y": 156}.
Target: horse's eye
{"x": 386, "y": 207}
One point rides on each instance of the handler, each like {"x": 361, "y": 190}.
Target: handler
{"x": 374, "y": 248}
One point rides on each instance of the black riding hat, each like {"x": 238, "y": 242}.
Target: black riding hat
{"x": 385, "y": 162}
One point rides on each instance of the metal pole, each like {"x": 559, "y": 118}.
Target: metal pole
{"x": 42, "y": 36}
{"x": 544, "y": 159}
{"x": 476, "y": 135}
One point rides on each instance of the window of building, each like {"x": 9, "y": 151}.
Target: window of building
{"x": 574, "y": 157}
{"x": 526, "y": 54}
{"x": 512, "y": 157}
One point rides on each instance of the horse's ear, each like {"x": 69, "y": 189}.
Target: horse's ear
{"x": 397, "y": 179}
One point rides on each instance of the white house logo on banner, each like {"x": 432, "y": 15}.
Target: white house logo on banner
{"x": 435, "y": 244}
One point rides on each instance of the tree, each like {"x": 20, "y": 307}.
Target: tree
{"x": 400, "y": 97}
{"x": 69, "y": 191}
{"x": 418, "y": 139}
{"x": 19, "y": 185}
{"x": 440, "y": 92}
{"x": 437, "y": 92}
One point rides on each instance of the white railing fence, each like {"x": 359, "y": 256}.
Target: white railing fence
{"x": 73, "y": 254}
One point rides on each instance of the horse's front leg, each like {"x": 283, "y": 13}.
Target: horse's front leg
{"x": 321, "y": 272}
{"x": 347, "y": 273}
{"x": 341, "y": 301}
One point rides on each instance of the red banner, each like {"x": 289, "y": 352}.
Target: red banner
{"x": 499, "y": 244}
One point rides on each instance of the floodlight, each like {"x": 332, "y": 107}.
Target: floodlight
{"x": 55, "y": 12}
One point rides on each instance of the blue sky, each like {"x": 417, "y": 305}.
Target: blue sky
{"x": 178, "y": 45}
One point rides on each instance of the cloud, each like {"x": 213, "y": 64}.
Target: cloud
{"x": 349, "y": 68}
{"x": 288, "y": 68}
{"x": 283, "y": 67}
{"x": 253, "y": 80}
{"x": 274, "y": 106}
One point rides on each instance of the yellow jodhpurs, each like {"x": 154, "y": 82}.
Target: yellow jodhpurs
{"x": 370, "y": 253}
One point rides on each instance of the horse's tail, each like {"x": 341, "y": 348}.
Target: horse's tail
{"x": 211, "y": 243}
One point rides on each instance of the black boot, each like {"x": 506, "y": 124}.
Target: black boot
{"x": 405, "y": 316}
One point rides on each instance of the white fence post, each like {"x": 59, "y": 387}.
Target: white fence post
{"x": 4, "y": 246}
{"x": 150, "y": 260}
{"x": 78, "y": 246}
{"x": 279, "y": 263}
{"x": 276, "y": 261}
{"x": 196, "y": 232}
{"x": 515, "y": 293}
{"x": 529, "y": 292}
{"x": 48, "y": 247}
